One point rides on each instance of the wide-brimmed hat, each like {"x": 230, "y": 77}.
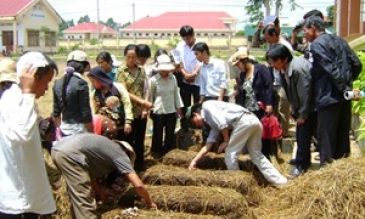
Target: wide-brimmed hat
{"x": 237, "y": 56}
{"x": 128, "y": 150}
{"x": 164, "y": 63}
{"x": 7, "y": 70}
{"x": 116, "y": 63}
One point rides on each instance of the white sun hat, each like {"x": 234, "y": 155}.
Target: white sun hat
{"x": 164, "y": 63}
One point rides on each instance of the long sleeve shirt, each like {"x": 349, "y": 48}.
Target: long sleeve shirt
{"x": 164, "y": 94}
{"x": 220, "y": 115}
{"x": 24, "y": 185}
{"x": 213, "y": 78}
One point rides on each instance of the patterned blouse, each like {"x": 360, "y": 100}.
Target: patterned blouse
{"x": 251, "y": 102}
{"x": 135, "y": 84}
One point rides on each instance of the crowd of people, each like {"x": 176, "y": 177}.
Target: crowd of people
{"x": 99, "y": 128}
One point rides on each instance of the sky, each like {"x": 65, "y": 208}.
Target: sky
{"x": 122, "y": 11}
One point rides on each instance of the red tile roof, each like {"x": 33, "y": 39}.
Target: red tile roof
{"x": 175, "y": 20}
{"x": 10, "y": 8}
{"x": 89, "y": 28}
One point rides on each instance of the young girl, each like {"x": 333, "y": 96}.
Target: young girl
{"x": 164, "y": 94}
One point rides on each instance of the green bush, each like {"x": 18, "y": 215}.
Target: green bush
{"x": 358, "y": 107}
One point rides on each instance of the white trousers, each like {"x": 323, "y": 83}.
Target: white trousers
{"x": 247, "y": 131}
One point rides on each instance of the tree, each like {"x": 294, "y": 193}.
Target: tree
{"x": 110, "y": 23}
{"x": 240, "y": 33}
{"x": 84, "y": 19}
{"x": 65, "y": 24}
{"x": 48, "y": 36}
{"x": 254, "y": 8}
{"x": 330, "y": 12}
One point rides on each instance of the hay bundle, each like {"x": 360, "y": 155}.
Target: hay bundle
{"x": 157, "y": 214}
{"x": 210, "y": 161}
{"x": 242, "y": 182}
{"x": 336, "y": 191}
{"x": 199, "y": 200}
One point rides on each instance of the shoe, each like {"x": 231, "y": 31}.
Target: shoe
{"x": 293, "y": 162}
{"x": 296, "y": 171}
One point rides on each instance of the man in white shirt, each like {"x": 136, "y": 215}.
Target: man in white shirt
{"x": 213, "y": 75}
{"x": 189, "y": 69}
{"x": 246, "y": 132}
{"x": 25, "y": 191}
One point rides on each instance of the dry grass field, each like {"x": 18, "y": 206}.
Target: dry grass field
{"x": 336, "y": 191}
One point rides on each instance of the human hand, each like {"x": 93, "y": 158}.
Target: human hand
{"x": 152, "y": 206}
{"x": 268, "y": 109}
{"x": 27, "y": 79}
{"x": 192, "y": 165}
{"x": 144, "y": 114}
{"x": 222, "y": 147}
{"x": 147, "y": 104}
{"x": 300, "y": 121}
{"x": 260, "y": 25}
{"x": 127, "y": 129}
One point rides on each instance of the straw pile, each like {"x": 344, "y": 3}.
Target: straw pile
{"x": 154, "y": 214}
{"x": 336, "y": 191}
{"x": 199, "y": 200}
{"x": 242, "y": 182}
{"x": 211, "y": 161}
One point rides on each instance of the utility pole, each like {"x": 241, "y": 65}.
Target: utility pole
{"x": 98, "y": 18}
{"x": 134, "y": 21}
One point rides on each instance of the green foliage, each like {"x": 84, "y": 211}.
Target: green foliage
{"x": 253, "y": 10}
{"x": 240, "y": 33}
{"x": 330, "y": 12}
{"x": 154, "y": 47}
{"x": 75, "y": 46}
{"x": 173, "y": 42}
{"x": 83, "y": 19}
{"x": 61, "y": 50}
{"x": 93, "y": 41}
{"x": 358, "y": 107}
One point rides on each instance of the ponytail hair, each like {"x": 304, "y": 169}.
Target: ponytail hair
{"x": 66, "y": 80}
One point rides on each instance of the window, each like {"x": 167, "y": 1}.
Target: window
{"x": 156, "y": 34}
{"x": 33, "y": 38}
{"x": 80, "y": 37}
{"x": 223, "y": 34}
{"x": 50, "y": 38}
{"x": 37, "y": 7}
{"x": 362, "y": 11}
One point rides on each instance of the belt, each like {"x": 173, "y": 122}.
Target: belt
{"x": 20, "y": 216}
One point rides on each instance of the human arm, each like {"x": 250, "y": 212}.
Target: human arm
{"x": 224, "y": 144}
{"x": 19, "y": 109}
{"x": 303, "y": 84}
{"x": 140, "y": 189}
{"x": 223, "y": 79}
{"x": 200, "y": 155}
{"x": 127, "y": 105}
{"x": 256, "y": 39}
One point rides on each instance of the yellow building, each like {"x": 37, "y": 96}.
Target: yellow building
{"x": 28, "y": 25}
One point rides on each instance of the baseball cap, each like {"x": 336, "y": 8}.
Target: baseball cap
{"x": 77, "y": 55}
{"x": 237, "y": 56}
{"x": 7, "y": 70}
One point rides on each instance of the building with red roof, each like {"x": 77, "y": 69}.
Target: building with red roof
{"x": 89, "y": 30}
{"x": 167, "y": 25}
{"x": 28, "y": 24}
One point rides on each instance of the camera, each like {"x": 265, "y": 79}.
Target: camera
{"x": 299, "y": 25}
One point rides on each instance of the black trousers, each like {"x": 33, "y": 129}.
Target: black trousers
{"x": 161, "y": 123}
{"x": 334, "y": 123}
{"x": 136, "y": 140}
{"x": 20, "y": 216}
{"x": 304, "y": 135}
{"x": 187, "y": 91}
